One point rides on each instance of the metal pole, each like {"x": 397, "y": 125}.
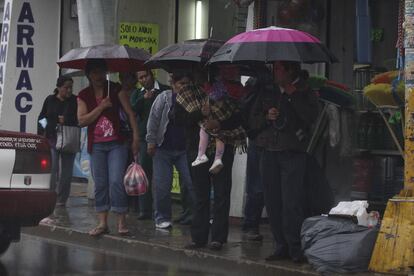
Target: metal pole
{"x": 391, "y": 131}
{"x": 316, "y": 131}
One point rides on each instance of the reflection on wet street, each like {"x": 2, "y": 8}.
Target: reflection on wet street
{"x": 34, "y": 256}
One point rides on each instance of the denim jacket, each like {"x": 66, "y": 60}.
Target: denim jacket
{"x": 158, "y": 118}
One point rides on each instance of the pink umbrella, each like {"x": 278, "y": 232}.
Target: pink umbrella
{"x": 271, "y": 44}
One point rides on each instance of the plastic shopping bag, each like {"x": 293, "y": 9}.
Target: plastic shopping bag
{"x": 135, "y": 180}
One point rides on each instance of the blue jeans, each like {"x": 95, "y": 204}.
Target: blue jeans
{"x": 108, "y": 168}
{"x": 162, "y": 176}
{"x": 254, "y": 189}
{"x": 62, "y": 166}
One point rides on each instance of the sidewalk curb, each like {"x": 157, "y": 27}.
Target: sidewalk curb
{"x": 162, "y": 254}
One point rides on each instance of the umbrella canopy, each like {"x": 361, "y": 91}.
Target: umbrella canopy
{"x": 71, "y": 73}
{"x": 185, "y": 54}
{"x": 271, "y": 44}
{"x": 118, "y": 58}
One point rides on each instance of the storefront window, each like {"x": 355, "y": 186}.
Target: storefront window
{"x": 304, "y": 15}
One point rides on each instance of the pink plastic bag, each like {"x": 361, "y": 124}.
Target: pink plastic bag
{"x": 135, "y": 180}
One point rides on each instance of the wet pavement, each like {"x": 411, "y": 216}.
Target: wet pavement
{"x": 37, "y": 256}
{"x": 238, "y": 256}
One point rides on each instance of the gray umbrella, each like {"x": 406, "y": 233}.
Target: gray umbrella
{"x": 118, "y": 58}
{"x": 185, "y": 54}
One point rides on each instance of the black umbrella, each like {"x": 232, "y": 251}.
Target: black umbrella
{"x": 118, "y": 58}
{"x": 185, "y": 54}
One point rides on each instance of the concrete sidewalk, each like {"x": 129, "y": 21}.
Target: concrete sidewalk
{"x": 238, "y": 256}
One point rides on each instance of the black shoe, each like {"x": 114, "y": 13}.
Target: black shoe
{"x": 253, "y": 235}
{"x": 276, "y": 257}
{"x": 299, "y": 259}
{"x": 215, "y": 245}
{"x": 143, "y": 216}
{"x": 184, "y": 215}
{"x": 178, "y": 220}
{"x": 185, "y": 221}
{"x": 194, "y": 245}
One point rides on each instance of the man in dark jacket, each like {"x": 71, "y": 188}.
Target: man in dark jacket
{"x": 261, "y": 83}
{"x": 286, "y": 114}
{"x": 141, "y": 102}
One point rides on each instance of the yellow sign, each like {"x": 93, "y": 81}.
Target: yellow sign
{"x": 139, "y": 35}
{"x": 176, "y": 182}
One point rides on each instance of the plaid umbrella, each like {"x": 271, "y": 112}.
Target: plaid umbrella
{"x": 186, "y": 54}
{"x": 273, "y": 44}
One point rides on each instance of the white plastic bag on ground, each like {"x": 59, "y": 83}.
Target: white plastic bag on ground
{"x": 356, "y": 208}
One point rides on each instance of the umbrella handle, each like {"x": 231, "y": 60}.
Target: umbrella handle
{"x": 107, "y": 81}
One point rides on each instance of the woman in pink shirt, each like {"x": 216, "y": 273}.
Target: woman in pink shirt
{"x": 98, "y": 109}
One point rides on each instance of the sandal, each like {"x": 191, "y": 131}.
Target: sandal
{"x": 123, "y": 231}
{"x": 98, "y": 231}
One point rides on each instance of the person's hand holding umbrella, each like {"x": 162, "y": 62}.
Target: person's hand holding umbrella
{"x": 272, "y": 114}
{"x": 61, "y": 119}
{"x": 106, "y": 103}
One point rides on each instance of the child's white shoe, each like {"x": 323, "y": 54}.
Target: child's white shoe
{"x": 216, "y": 167}
{"x": 200, "y": 160}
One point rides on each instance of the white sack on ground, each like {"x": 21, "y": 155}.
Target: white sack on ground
{"x": 357, "y": 208}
